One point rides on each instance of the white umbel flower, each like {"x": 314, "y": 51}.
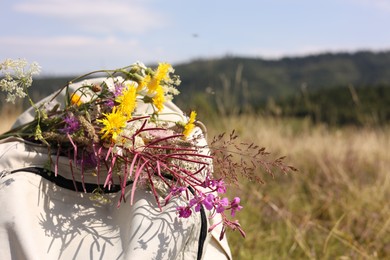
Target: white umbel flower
{"x": 17, "y": 77}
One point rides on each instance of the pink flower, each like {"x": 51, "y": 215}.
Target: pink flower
{"x": 221, "y": 204}
{"x": 219, "y": 185}
{"x": 195, "y": 201}
{"x": 234, "y": 204}
{"x": 184, "y": 212}
{"x": 208, "y": 202}
{"x": 177, "y": 190}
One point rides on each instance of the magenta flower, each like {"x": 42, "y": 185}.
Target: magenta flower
{"x": 184, "y": 212}
{"x": 221, "y": 204}
{"x": 234, "y": 204}
{"x": 208, "y": 202}
{"x": 177, "y": 190}
{"x": 195, "y": 202}
{"x": 219, "y": 185}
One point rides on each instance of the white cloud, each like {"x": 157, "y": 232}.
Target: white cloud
{"x": 75, "y": 54}
{"x": 97, "y": 15}
{"x": 58, "y": 41}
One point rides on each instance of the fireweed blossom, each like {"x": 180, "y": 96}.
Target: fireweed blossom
{"x": 221, "y": 204}
{"x": 106, "y": 131}
{"x": 234, "y": 204}
{"x": 218, "y": 185}
{"x": 184, "y": 211}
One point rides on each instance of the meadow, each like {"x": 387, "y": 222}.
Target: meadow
{"x": 335, "y": 207}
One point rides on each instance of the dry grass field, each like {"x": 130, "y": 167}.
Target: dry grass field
{"x": 336, "y": 206}
{"x": 8, "y": 115}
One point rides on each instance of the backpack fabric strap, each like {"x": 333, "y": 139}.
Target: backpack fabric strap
{"x": 90, "y": 188}
{"x": 69, "y": 184}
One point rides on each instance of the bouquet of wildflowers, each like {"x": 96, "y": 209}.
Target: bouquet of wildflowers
{"x": 118, "y": 128}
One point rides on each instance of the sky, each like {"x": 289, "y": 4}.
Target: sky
{"x": 77, "y": 36}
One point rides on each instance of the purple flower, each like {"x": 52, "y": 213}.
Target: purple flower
{"x": 219, "y": 185}
{"x": 207, "y": 182}
{"x": 234, "y": 204}
{"x": 221, "y": 204}
{"x": 71, "y": 125}
{"x": 208, "y": 202}
{"x": 110, "y": 103}
{"x": 118, "y": 89}
{"x": 177, "y": 190}
{"x": 184, "y": 212}
{"x": 195, "y": 201}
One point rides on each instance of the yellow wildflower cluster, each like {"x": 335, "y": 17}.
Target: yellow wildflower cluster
{"x": 161, "y": 74}
{"x": 189, "y": 127}
{"x": 127, "y": 101}
{"x": 114, "y": 123}
{"x": 153, "y": 84}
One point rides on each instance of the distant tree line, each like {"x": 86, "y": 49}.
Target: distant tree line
{"x": 338, "y": 106}
{"x": 341, "y": 88}
{"x": 337, "y": 88}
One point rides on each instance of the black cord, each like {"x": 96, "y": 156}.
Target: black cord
{"x": 69, "y": 184}
{"x": 203, "y": 228}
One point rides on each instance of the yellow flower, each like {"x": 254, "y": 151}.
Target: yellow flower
{"x": 189, "y": 127}
{"x": 153, "y": 84}
{"x": 75, "y": 100}
{"x": 163, "y": 70}
{"x": 113, "y": 123}
{"x": 127, "y": 101}
{"x": 144, "y": 83}
{"x": 159, "y": 99}
{"x": 162, "y": 73}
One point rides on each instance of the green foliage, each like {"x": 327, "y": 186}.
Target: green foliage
{"x": 336, "y": 89}
{"x": 316, "y": 86}
{"x": 284, "y": 77}
{"x": 341, "y": 105}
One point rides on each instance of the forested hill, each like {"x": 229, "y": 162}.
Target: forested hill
{"x": 296, "y": 86}
{"x": 342, "y": 88}
{"x": 272, "y": 78}
{"x": 286, "y": 76}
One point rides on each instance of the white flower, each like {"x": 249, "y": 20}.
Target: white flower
{"x": 17, "y": 77}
